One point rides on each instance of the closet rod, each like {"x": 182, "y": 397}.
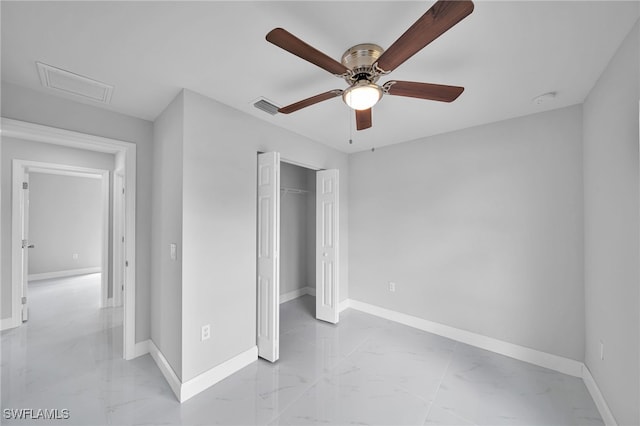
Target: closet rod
{"x": 288, "y": 190}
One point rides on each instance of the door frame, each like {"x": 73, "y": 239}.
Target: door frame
{"x": 336, "y": 284}
{"x": 125, "y": 158}
{"x": 24, "y": 167}
{"x": 119, "y": 236}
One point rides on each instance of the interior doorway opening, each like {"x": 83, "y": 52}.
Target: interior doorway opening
{"x": 125, "y": 160}
{"x": 297, "y": 232}
{"x": 270, "y": 190}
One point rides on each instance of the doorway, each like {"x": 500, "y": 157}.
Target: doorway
{"x": 269, "y": 250}
{"x": 68, "y": 218}
{"x": 125, "y": 160}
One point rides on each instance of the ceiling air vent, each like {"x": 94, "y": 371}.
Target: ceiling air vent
{"x": 74, "y": 84}
{"x": 266, "y": 106}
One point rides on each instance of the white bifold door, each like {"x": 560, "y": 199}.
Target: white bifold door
{"x": 327, "y": 245}
{"x": 268, "y": 252}
{"x": 269, "y": 256}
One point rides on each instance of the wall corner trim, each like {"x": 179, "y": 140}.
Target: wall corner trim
{"x": 211, "y": 377}
{"x": 189, "y": 389}
{"x": 522, "y": 353}
{"x": 166, "y": 370}
{"x": 294, "y": 294}
{"x": 141, "y": 348}
{"x": 598, "y": 398}
{"x": 345, "y": 304}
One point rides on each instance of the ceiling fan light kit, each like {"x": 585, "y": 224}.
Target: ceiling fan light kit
{"x": 363, "y": 64}
{"x": 362, "y": 95}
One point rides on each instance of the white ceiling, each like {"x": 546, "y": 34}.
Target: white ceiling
{"x": 505, "y": 53}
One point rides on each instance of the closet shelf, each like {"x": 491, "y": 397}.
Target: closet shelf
{"x": 286, "y": 190}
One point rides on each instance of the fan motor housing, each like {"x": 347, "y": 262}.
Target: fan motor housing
{"x": 360, "y": 59}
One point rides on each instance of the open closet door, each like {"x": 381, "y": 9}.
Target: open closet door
{"x": 269, "y": 256}
{"x": 327, "y": 245}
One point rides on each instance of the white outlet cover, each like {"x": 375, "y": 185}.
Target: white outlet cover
{"x": 392, "y": 287}
{"x": 205, "y": 333}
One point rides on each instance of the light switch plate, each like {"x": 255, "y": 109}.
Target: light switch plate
{"x": 173, "y": 251}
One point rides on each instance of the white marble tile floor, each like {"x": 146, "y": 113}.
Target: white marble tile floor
{"x": 365, "y": 370}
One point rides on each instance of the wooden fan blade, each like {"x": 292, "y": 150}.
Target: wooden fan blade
{"x": 433, "y": 92}
{"x": 363, "y": 119}
{"x": 309, "y": 101}
{"x": 292, "y": 44}
{"x": 443, "y": 15}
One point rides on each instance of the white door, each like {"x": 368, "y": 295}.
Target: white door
{"x": 118, "y": 239}
{"x": 269, "y": 256}
{"x": 327, "y": 245}
{"x": 26, "y": 245}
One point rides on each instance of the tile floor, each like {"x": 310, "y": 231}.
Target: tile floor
{"x": 366, "y": 370}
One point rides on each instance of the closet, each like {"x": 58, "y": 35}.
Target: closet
{"x": 297, "y": 244}
{"x": 297, "y": 232}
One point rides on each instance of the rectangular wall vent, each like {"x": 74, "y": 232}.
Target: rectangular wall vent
{"x": 74, "y": 84}
{"x": 266, "y": 106}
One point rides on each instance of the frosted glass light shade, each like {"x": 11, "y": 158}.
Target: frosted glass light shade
{"x": 362, "y": 95}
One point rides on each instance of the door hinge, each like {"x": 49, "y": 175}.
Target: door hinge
{"x": 126, "y": 263}
{"x": 24, "y": 300}
{"x": 123, "y": 190}
{"x": 123, "y": 239}
{"x": 25, "y": 185}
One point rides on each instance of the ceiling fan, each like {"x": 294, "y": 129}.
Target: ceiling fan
{"x": 363, "y": 64}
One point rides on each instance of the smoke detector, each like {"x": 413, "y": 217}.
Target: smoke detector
{"x": 545, "y": 97}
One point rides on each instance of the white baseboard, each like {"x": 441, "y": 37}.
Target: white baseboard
{"x": 7, "y": 323}
{"x": 189, "y": 389}
{"x": 522, "y": 353}
{"x": 166, "y": 370}
{"x": 345, "y": 304}
{"x": 211, "y": 377}
{"x": 141, "y": 348}
{"x": 285, "y": 297}
{"x": 598, "y": 398}
{"x": 60, "y": 274}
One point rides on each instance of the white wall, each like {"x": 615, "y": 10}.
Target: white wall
{"x": 25, "y": 150}
{"x": 166, "y": 274}
{"x": 611, "y": 173}
{"x": 219, "y": 224}
{"x": 297, "y": 228}
{"x": 480, "y": 229}
{"x": 65, "y": 218}
{"x": 33, "y": 106}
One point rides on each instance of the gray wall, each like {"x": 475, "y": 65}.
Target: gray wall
{"x": 611, "y": 173}
{"x": 33, "y": 106}
{"x": 65, "y": 218}
{"x": 480, "y": 229}
{"x": 219, "y": 224}
{"x": 11, "y": 149}
{"x": 297, "y": 228}
{"x": 166, "y": 275}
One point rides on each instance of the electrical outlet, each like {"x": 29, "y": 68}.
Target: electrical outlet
{"x": 75, "y": 256}
{"x": 173, "y": 251}
{"x": 601, "y": 350}
{"x": 392, "y": 287}
{"x": 205, "y": 332}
